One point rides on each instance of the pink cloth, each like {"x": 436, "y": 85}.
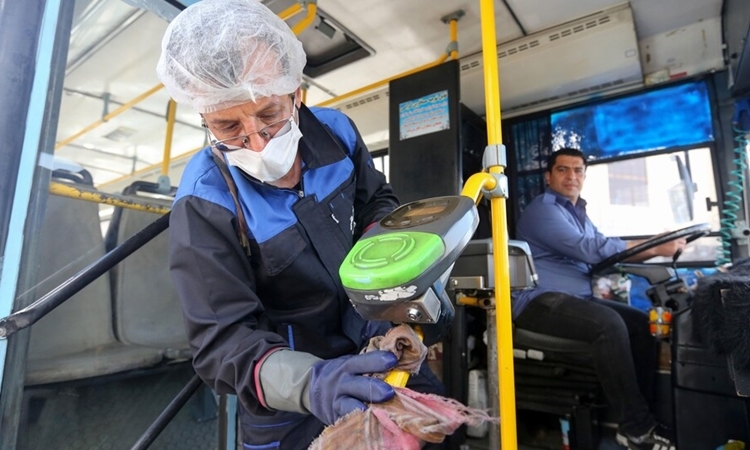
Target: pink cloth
{"x": 409, "y": 419}
{"x": 403, "y": 342}
{"x": 405, "y": 422}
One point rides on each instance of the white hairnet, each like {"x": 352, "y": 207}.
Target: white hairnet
{"x": 220, "y": 53}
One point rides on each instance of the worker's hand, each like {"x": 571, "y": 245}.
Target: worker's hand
{"x": 338, "y": 386}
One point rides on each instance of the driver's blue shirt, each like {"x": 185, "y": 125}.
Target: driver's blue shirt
{"x": 564, "y": 244}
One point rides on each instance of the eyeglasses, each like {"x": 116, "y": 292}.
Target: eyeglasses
{"x": 276, "y": 129}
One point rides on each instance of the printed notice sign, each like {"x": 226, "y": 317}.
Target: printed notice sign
{"x": 424, "y": 115}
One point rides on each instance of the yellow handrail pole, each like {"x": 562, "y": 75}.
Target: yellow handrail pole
{"x": 453, "y": 54}
{"x": 114, "y": 113}
{"x": 399, "y": 378}
{"x": 476, "y": 183}
{"x": 90, "y": 195}
{"x": 454, "y": 37}
{"x": 504, "y": 327}
{"x": 171, "y": 111}
{"x": 287, "y": 13}
{"x": 452, "y": 21}
{"x": 372, "y": 86}
{"x": 499, "y": 234}
{"x": 312, "y": 8}
{"x": 290, "y": 11}
{"x": 305, "y": 87}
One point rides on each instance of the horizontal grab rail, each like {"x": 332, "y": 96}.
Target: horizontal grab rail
{"x": 92, "y": 195}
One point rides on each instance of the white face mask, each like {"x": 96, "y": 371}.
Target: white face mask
{"x": 274, "y": 161}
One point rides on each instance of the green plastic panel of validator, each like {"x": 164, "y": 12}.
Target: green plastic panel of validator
{"x": 390, "y": 260}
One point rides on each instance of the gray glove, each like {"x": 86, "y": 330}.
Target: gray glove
{"x": 329, "y": 389}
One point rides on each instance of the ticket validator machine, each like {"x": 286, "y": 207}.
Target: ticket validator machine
{"x": 398, "y": 270}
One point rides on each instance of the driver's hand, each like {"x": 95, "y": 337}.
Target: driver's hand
{"x": 671, "y": 247}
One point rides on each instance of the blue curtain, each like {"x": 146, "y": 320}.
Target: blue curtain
{"x": 671, "y": 117}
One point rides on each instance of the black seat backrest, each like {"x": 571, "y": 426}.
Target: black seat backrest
{"x": 477, "y": 261}
{"x": 146, "y": 308}
{"x": 76, "y": 340}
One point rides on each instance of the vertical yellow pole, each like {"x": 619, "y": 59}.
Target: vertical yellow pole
{"x": 312, "y": 9}
{"x": 111, "y": 115}
{"x": 171, "y": 111}
{"x": 499, "y": 236}
{"x": 290, "y": 11}
{"x": 454, "y": 36}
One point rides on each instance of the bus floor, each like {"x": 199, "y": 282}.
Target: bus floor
{"x": 538, "y": 430}
{"x": 112, "y": 413}
{"x": 541, "y": 431}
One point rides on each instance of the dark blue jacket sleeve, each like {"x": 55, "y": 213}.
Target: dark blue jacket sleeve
{"x": 226, "y": 324}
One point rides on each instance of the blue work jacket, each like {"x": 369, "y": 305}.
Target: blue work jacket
{"x": 288, "y": 292}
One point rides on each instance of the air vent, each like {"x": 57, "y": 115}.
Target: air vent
{"x": 610, "y": 65}
{"x": 470, "y": 65}
{"x": 363, "y": 101}
{"x": 556, "y": 36}
{"x": 567, "y": 32}
{"x": 572, "y": 94}
{"x": 611, "y": 62}
{"x": 513, "y": 50}
{"x": 120, "y": 134}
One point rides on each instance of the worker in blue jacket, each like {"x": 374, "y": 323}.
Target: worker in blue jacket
{"x": 262, "y": 220}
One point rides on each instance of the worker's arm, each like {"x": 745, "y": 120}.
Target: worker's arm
{"x": 300, "y": 382}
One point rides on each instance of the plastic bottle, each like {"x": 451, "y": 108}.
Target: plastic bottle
{"x": 565, "y": 428}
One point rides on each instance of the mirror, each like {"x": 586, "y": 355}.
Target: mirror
{"x": 681, "y": 194}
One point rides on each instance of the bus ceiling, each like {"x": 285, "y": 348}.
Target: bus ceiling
{"x": 548, "y": 58}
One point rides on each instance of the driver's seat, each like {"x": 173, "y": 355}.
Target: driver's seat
{"x": 556, "y": 376}
{"x": 552, "y": 375}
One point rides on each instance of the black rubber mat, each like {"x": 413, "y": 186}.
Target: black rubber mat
{"x": 112, "y": 414}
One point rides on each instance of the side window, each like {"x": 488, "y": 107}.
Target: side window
{"x": 648, "y": 195}
{"x": 380, "y": 159}
{"x": 649, "y": 161}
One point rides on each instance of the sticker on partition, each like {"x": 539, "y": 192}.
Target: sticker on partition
{"x": 424, "y": 115}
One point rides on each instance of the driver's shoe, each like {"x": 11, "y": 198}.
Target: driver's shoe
{"x": 659, "y": 438}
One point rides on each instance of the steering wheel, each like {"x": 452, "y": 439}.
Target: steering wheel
{"x": 690, "y": 234}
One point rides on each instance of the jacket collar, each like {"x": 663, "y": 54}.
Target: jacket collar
{"x": 318, "y": 146}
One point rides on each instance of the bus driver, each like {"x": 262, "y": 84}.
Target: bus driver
{"x": 565, "y": 244}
